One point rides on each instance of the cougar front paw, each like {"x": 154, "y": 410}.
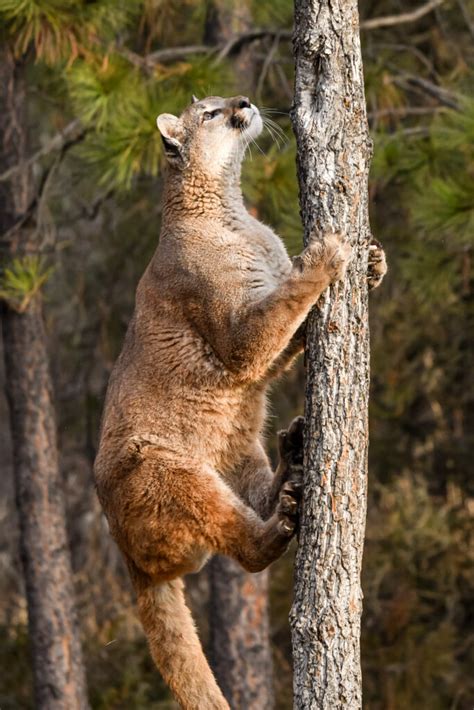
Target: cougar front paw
{"x": 327, "y": 256}
{"x": 288, "y": 507}
{"x": 337, "y": 255}
{"x": 377, "y": 265}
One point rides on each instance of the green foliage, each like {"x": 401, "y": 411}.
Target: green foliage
{"x": 448, "y": 204}
{"x": 22, "y": 280}
{"x": 276, "y": 14}
{"x": 120, "y": 107}
{"x": 16, "y": 676}
{"x": 103, "y": 19}
{"x": 418, "y": 580}
{"x": 437, "y": 170}
{"x": 102, "y": 88}
{"x": 121, "y": 104}
{"x": 60, "y": 30}
{"x": 382, "y": 93}
{"x": 446, "y": 188}
{"x": 49, "y": 25}
{"x": 432, "y": 172}
{"x": 166, "y": 22}
{"x": 121, "y": 673}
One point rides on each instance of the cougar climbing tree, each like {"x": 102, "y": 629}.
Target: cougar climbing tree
{"x": 334, "y": 150}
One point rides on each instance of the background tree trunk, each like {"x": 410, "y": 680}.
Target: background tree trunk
{"x": 58, "y": 670}
{"x": 329, "y": 119}
{"x": 239, "y": 635}
{"x": 226, "y": 19}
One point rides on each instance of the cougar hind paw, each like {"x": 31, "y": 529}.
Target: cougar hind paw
{"x": 288, "y": 507}
{"x": 290, "y": 442}
{"x": 377, "y": 265}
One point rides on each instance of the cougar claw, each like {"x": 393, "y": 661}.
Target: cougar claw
{"x": 293, "y": 488}
{"x": 288, "y": 505}
{"x": 377, "y": 264}
{"x": 286, "y": 526}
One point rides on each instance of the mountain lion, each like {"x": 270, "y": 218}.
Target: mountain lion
{"x": 181, "y": 471}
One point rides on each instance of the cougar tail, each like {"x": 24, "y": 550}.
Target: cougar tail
{"x": 174, "y": 644}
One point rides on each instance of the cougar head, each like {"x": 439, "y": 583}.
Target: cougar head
{"x": 211, "y": 133}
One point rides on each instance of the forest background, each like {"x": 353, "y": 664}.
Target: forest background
{"x": 96, "y": 76}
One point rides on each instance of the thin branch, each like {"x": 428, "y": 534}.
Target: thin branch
{"x": 413, "y": 50}
{"x": 45, "y": 177}
{"x": 162, "y": 56}
{"x": 91, "y": 212}
{"x": 30, "y": 210}
{"x": 223, "y": 50}
{"x": 402, "y": 19}
{"x": 171, "y": 53}
{"x": 402, "y": 111}
{"x": 466, "y": 16}
{"x": 72, "y": 133}
{"x": 266, "y": 66}
{"x": 285, "y": 84}
{"x": 236, "y": 43}
{"x": 444, "y": 96}
{"x": 415, "y": 131}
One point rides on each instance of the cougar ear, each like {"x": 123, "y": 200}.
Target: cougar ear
{"x": 170, "y": 128}
{"x": 194, "y": 99}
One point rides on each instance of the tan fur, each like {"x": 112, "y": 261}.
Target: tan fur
{"x": 181, "y": 471}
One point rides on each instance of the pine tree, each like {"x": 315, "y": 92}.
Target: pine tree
{"x": 333, "y": 161}
{"x": 57, "y": 660}
{"x": 52, "y": 32}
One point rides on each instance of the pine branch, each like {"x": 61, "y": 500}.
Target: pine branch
{"x": 71, "y": 134}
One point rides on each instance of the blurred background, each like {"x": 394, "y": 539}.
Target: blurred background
{"x": 95, "y": 76}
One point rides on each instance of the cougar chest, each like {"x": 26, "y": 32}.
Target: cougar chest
{"x": 262, "y": 263}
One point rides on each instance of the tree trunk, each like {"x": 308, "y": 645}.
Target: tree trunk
{"x": 334, "y": 151}
{"x": 239, "y": 635}
{"x": 58, "y": 670}
{"x": 57, "y": 661}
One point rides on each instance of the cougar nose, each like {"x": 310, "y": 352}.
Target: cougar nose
{"x": 243, "y": 102}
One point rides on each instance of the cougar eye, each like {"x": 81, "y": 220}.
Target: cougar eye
{"x": 209, "y": 115}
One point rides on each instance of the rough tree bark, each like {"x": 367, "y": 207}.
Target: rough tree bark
{"x": 57, "y": 662}
{"x": 334, "y": 150}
